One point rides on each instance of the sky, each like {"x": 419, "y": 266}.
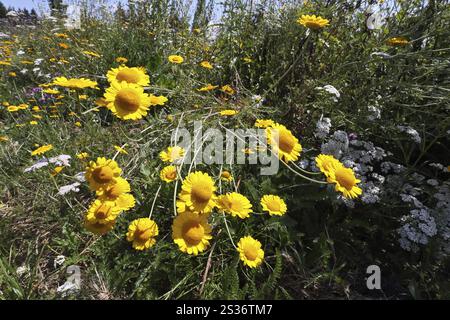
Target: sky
{"x": 29, "y": 4}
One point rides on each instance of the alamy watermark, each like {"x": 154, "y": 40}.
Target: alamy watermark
{"x": 226, "y": 146}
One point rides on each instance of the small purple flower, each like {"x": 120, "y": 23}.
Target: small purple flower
{"x": 352, "y": 136}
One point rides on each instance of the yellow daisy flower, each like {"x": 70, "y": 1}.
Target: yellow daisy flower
{"x": 82, "y": 155}
{"x": 397, "y": 42}
{"x": 80, "y": 83}
{"x": 97, "y": 227}
{"x": 118, "y": 193}
{"x": 168, "y": 174}
{"x": 42, "y": 150}
{"x": 121, "y": 60}
{"x": 130, "y": 75}
{"x": 327, "y": 163}
{"x": 92, "y": 54}
{"x": 102, "y": 173}
{"x": 345, "y": 181}
{"x": 228, "y": 89}
{"x": 235, "y": 204}
{"x": 206, "y": 65}
{"x": 264, "y": 123}
{"x": 191, "y": 232}
{"x": 208, "y": 87}
{"x": 250, "y": 252}
{"x": 102, "y": 212}
{"x": 283, "y": 142}
{"x": 197, "y": 193}
{"x": 313, "y": 22}
{"x": 226, "y": 176}
{"x": 127, "y": 101}
{"x": 176, "y": 59}
{"x": 228, "y": 112}
{"x": 172, "y": 154}
{"x": 142, "y": 233}
{"x": 56, "y": 171}
{"x": 274, "y": 205}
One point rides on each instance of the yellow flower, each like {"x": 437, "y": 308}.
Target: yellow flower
{"x": 226, "y": 176}
{"x": 56, "y": 170}
{"x": 264, "y": 123}
{"x": 235, "y": 204}
{"x": 206, "y": 65}
{"x": 157, "y": 100}
{"x": 42, "y": 150}
{"x": 78, "y": 124}
{"x": 172, "y": 154}
{"x": 228, "y": 112}
{"x": 250, "y": 252}
{"x": 345, "y": 181}
{"x": 127, "y": 101}
{"x": 4, "y": 138}
{"x": 102, "y": 212}
{"x": 120, "y": 150}
{"x": 397, "y": 42}
{"x": 197, "y": 193}
{"x": 118, "y": 193}
{"x": 61, "y": 35}
{"x": 191, "y": 232}
{"x": 168, "y": 173}
{"x": 142, "y": 233}
{"x": 247, "y": 60}
{"x": 121, "y": 60}
{"x": 33, "y": 122}
{"x": 13, "y": 108}
{"x": 274, "y": 205}
{"x": 283, "y": 142}
{"x": 36, "y": 109}
{"x": 97, "y": 227}
{"x": 130, "y": 75}
{"x": 208, "y": 87}
{"x": 80, "y": 83}
{"x": 227, "y": 89}
{"x": 12, "y": 74}
{"x": 63, "y": 45}
{"x": 176, "y": 59}
{"x": 50, "y": 91}
{"x": 102, "y": 173}
{"x": 92, "y": 54}
{"x": 82, "y": 155}
{"x": 327, "y": 163}
{"x": 313, "y": 22}
{"x": 82, "y": 97}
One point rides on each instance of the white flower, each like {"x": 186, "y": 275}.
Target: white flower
{"x": 20, "y": 271}
{"x": 37, "y": 165}
{"x": 38, "y": 61}
{"x": 323, "y": 127}
{"x": 20, "y": 53}
{"x": 332, "y": 90}
{"x": 61, "y": 160}
{"x": 375, "y": 21}
{"x": 415, "y": 136}
{"x": 381, "y": 54}
{"x": 74, "y": 187}
{"x": 59, "y": 261}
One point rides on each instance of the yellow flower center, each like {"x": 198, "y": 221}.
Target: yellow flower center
{"x": 313, "y": 25}
{"x": 201, "y": 193}
{"x": 226, "y": 175}
{"x": 193, "y": 232}
{"x": 128, "y": 75}
{"x": 113, "y": 192}
{"x": 286, "y": 142}
{"x": 171, "y": 175}
{"x": 102, "y": 212}
{"x": 127, "y": 99}
{"x": 251, "y": 252}
{"x": 345, "y": 178}
{"x": 274, "y": 205}
{"x": 103, "y": 174}
{"x": 144, "y": 235}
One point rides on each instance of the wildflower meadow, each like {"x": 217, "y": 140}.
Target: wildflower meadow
{"x": 229, "y": 149}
